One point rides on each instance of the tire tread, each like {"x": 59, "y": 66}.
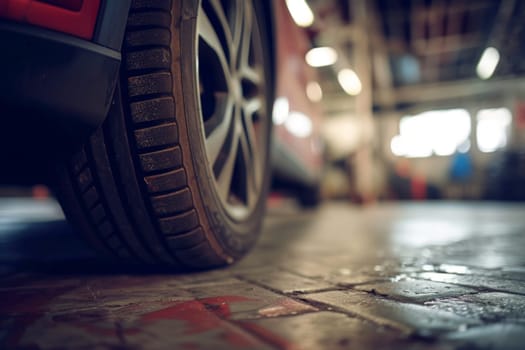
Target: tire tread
{"x": 153, "y": 145}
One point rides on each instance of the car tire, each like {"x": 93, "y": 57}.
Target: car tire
{"x": 178, "y": 173}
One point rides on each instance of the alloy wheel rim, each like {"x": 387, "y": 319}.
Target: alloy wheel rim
{"x": 232, "y": 101}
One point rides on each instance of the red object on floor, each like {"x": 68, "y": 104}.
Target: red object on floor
{"x": 418, "y": 187}
{"x": 40, "y": 192}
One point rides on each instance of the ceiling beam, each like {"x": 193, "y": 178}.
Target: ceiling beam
{"x": 450, "y": 91}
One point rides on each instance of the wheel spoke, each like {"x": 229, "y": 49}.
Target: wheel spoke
{"x": 208, "y": 34}
{"x": 252, "y": 142}
{"x": 218, "y": 135}
{"x": 251, "y": 74}
{"x": 246, "y": 70}
{"x": 224, "y": 179}
{"x": 250, "y": 170}
{"x": 240, "y": 20}
{"x": 245, "y": 38}
{"x": 252, "y": 105}
{"x": 225, "y": 27}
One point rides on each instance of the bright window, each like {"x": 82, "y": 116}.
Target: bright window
{"x": 493, "y": 128}
{"x": 438, "y": 132}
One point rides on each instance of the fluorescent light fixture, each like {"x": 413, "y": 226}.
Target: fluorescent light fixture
{"x": 349, "y": 81}
{"x": 300, "y": 12}
{"x": 281, "y": 108}
{"x": 299, "y": 124}
{"x": 487, "y": 63}
{"x": 439, "y": 132}
{"x": 397, "y": 146}
{"x": 321, "y": 56}
{"x": 314, "y": 91}
{"x": 492, "y": 128}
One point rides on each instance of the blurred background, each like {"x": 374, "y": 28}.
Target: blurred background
{"x": 409, "y": 99}
{"x": 397, "y": 100}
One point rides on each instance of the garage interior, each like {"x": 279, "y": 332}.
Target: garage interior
{"x": 420, "y": 57}
{"x": 417, "y": 243}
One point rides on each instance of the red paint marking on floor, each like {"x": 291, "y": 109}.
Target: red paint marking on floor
{"x": 219, "y": 306}
{"x": 29, "y": 300}
{"x": 203, "y": 315}
{"x": 25, "y": 306}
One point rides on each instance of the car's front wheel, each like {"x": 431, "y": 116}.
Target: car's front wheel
{"x": 178, "y": 173}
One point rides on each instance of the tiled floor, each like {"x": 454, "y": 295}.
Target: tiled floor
{"x": 406, "y": 276}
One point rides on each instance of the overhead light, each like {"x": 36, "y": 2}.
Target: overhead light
{"x": 300, "y": 12}
{"x": 487, "y": 63}
{"x": 299, "y": 124}
{"x": 397, "y": 146}
{"x": 281, "y": 108}
{"x": 439, "y": 132}
{"x": 349, "y": 81}
{"x": 314, "y": 91}
{"x": 321, "y": 56}
{"x": 492, "y": 128}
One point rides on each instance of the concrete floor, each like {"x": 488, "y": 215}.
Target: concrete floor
{"x": 390, "y": 276}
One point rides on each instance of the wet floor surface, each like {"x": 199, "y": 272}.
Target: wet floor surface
{"x": 389, "y": 276}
